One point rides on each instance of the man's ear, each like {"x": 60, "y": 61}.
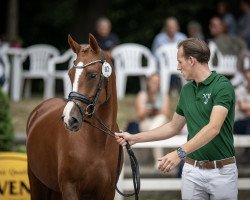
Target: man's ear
{"x": 192, "y": 60}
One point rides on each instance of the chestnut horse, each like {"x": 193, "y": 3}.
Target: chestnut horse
{"x": 67, "y": 158}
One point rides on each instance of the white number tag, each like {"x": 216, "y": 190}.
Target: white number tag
{"x": 106, "y": 69}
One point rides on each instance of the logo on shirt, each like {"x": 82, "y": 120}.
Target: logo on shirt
{"x": 206, "y": 97}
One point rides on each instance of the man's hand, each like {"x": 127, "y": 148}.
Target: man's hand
{"x": 124, "y": 137}
{"x": 169, "y": 161}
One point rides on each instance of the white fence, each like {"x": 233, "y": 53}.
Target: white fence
{"x": 165, "y": 184}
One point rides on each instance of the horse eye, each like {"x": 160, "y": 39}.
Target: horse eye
{"x": 93, "y": 75}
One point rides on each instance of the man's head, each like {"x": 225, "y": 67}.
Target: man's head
{"x": 194, "y": 29}
{"x": 103, "y": 26}
{"x": 245, "y": 6}
{"x": 192, "y": 52}
{"x": 196, "y": 48}
{"x": 216, "y": 26}
{"x": 153, "y": 83}
{"x": 171, "y": 26}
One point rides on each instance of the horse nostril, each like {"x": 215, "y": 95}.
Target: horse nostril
{"x": 62, "y": 117}
{"x": 73, "y": 122}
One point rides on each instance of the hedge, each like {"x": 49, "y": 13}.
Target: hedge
{"x": 6, "y": 126}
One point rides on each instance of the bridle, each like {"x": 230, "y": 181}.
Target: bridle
{"x": 90, "y": 109}
{"x": 89, "y": 112}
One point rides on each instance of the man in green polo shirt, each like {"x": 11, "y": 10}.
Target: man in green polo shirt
{"x": 206, "y": 105}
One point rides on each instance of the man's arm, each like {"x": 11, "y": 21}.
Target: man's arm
{"x": 165, "y": 131}
{"x": 208, "y": 132}
{"x": 205, "y": 135}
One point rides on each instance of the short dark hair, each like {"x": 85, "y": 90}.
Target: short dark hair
{"x": 196, "y": 48}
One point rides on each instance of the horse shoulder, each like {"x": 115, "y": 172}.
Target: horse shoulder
{"x": 45, "y": 107}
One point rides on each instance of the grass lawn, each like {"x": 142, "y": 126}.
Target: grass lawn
{"x": 20, "y": 111}
{"x": 126, "y": 111}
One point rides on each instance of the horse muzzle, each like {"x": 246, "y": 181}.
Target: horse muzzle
{"x": 72, "y": 124}
{"x": 72, "y": 117}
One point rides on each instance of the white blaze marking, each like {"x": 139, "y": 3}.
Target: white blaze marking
{"x": 70, "y": 104}
{"x": 77, "y": 77}
{"x": 66, "y": 111}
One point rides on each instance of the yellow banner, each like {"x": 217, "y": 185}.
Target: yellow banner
{"x": 14, "y": 182}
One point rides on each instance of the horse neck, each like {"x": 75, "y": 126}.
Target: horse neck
{"x": 108, "y": 110}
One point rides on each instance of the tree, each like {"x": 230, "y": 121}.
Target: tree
{"x": 12, "y": 20}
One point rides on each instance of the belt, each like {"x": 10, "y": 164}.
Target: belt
{"x": 205, "y": 164}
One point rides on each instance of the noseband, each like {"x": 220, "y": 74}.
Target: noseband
{"x": 90, "y": 102}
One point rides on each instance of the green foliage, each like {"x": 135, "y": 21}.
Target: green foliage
{"x": 133, "y": 21}
{"x": 6, "y": 127}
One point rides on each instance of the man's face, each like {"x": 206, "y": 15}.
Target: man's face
{"x": 171, "y": 28}
{"x": 154, "y": 83}
{"x": 103, "y": 29}
{"x": 216, "y": 27}
{"x": 184, "y": 65}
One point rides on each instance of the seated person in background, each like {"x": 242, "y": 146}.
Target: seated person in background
{"x": 227, "y": 44}
{"x": 170, "y": 34}
{"x": 105, "y": 38}
{"x": 224, "y": 11}
{"x": 194, "y": 30}
{"x": 242, "y": 112}
{"x": 152, "y": 109}
{"x": 244, "y": 22}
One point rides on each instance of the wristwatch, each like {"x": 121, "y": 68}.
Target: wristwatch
{"x": 181, "y": 153}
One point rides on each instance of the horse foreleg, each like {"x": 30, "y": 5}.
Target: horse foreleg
{"x": 69, "y": 191}
{"x": 110, "y": 194}
{"x": 37, "y": 189}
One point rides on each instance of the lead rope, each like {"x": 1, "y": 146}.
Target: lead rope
{"x": 133, "y": 162}
{"x": 135, "y": 172}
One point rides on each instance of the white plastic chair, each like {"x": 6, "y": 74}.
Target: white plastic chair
{"x": 246, "y": 63}
{"x": 5, "y": 68}
{"x": 226, "y": 64}
{"x": 167, "y": 59}
{"x": 38, "y": 57}
{"x": 132, "y": 59}
{"x": 68, "y": 57}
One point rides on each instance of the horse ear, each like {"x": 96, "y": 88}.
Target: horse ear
{"x": 93, "y": 43}
{"x": 73, "y": 44}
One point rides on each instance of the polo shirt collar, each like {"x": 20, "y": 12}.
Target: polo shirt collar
{"x": 209, "y": 79}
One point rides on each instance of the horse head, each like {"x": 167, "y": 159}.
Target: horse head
{"x": 90, "y": 83}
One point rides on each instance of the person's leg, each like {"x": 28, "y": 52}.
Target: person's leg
{"x": 247, "y": 126}
{"x": 223, "y": 183}
{"x": 246, "y": 153}
{"x": 240, "y": 127}
{"x": 193, "y": 186}
{"x": 156, "y": 122}
{"x": 144, "y": 125}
